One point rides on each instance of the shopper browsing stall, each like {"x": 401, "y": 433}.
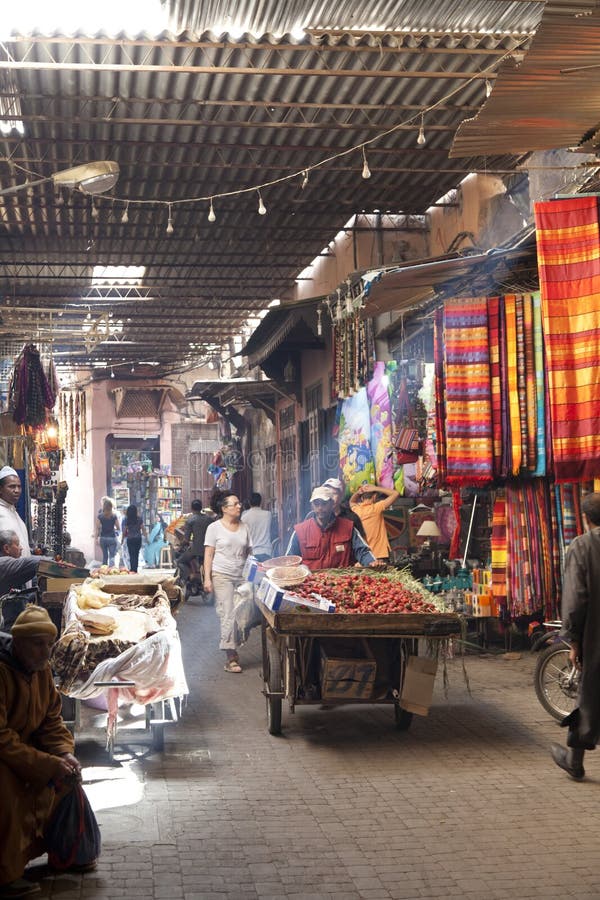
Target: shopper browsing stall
{"x": 327, "y": 541}
{"x": 370, "y": 503}
{"x": 226, "y": 546}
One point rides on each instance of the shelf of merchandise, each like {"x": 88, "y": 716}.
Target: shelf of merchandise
{"x": 156, "y": 494}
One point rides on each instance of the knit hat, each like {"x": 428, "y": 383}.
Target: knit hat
{"x": 321, "y": 493}
{"x": 32, "y": 621}
{"x": 5, "y": 471}
{"x": 334, "y": 483}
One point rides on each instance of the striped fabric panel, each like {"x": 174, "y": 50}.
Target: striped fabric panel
{"x": 530, "y": 383}
{"x": 512, "y": 363}
{"x": 495, "y": 310}
{"x": 568, "y": 245}
{"x": 540, "y": 468}
{"x": 440, "y": 397}
{"x": 499, "y": 551}
{"x": 468, "y": 392}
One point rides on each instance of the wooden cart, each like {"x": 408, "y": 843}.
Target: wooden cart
{"x": 300, "y": 653}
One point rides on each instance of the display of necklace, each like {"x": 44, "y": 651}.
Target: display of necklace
{"x": 72, "y": 415}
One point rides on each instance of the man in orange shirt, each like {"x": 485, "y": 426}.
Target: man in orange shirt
{"x": 365, "y": 503}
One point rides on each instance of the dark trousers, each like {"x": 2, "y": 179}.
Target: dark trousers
{"x": 133, "y": 545}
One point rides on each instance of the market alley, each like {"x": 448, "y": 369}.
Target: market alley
{"x": 342, "y": 805}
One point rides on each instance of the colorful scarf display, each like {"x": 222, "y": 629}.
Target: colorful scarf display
{"x": 468, "y": 392}
{"x": 490, "y": 389}
{"x": 568, "y": 247}
{"x": 381, "y": 426}
{"x": 532, "y": 525}
{"x": 356, "y": 458}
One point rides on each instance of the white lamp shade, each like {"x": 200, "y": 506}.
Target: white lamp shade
{"x": 429, "y": 529}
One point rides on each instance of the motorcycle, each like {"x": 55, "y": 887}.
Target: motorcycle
{"x": 193, "y": 585}
{"x": 556, "y": 679}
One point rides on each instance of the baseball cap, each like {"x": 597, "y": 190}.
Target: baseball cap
{"x": 334, "y": 483}
{"x": 321, "y": 493}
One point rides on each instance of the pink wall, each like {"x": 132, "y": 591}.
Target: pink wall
{"x": 87, "y": 477}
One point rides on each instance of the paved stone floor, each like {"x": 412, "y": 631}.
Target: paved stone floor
{"x": 341, "y": 806}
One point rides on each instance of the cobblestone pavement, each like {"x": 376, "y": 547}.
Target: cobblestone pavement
{"x": 343, "y": 805}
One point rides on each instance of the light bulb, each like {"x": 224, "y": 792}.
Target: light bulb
{"x": 262, "y": 209}
{"x": 211, "y": 213}
{"x": 319, "y": 323}
{"x": 366, "y": 172}
{"x": 488, "y": 87}
{"x": 170, "y": 228}
{"x": 304, "y": 179}
{"x": 421, "y": 139}
{"x": 125, "y": 216}
{"x": 94, "y": 212}
{"x": 112, "y": 374}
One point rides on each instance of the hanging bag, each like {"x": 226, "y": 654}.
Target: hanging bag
{"x": 72, "y": 835}
{"x": 407, "y": 442}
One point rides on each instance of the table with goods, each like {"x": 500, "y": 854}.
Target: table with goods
{"x": 119, "y": 645}
{"x": 344, "y": 636}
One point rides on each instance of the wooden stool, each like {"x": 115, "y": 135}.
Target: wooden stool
{"x": 166, "y": 557}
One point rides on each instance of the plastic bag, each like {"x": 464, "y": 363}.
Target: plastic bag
{"x": 246, "y": 613}
{"x": 72, "y": 835}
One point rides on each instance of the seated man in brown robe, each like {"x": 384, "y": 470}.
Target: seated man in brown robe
{"x": 37, "y": 766}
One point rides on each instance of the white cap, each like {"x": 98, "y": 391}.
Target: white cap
{"x": 5, "y": 471}
{"x": 334, "y": 483}
{"x": 321, "y": 493}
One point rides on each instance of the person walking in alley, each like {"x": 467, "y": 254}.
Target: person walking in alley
{"x": 107, "y": 529}
{"x": 226, "y": 546}
{"x": 133, "y": 532}
{"x": 581, "y": 628}
{"x": 259, "y": 522}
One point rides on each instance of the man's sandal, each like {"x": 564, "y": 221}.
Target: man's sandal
{"x": 232, "y": 665}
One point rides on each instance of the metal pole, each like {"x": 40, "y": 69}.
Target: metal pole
{"x": 470, "y": 530}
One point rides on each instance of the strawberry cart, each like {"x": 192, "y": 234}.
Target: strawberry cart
{"x": 311, "y": 656}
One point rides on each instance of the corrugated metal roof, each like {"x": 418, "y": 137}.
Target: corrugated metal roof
{"x": 193, "y": 114}
{"x": 547, "y": 101}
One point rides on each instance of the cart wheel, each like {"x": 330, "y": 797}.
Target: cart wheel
{"x": 273, "y": 682}
{"x": 403, "y": 718}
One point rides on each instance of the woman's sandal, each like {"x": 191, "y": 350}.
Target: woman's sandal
{"x": 232, "y": 665}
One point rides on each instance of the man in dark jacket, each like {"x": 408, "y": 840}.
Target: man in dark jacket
{"x": 194, "y": 532}
{"x": 15, "y": 572}
{"x": 581, "y": 628}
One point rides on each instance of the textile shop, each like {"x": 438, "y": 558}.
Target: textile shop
{"x": 487, "y": 424}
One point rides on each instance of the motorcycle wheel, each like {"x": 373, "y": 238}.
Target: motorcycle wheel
{"x": 556, "y": 681}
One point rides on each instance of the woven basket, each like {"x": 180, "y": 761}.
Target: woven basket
{"x": 288, "y": 576}
{"x": 279, "y": 562}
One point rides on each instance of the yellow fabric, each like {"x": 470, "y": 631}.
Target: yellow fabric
{"x": 32, "y": 736}
{"x": 371, "y": 515}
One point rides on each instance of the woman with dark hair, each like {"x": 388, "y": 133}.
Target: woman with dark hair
{"x": 133, "y": 531}
{"x": 226, "y": 546}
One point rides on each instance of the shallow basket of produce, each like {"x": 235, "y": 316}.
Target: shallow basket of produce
{"x": 368, "y": 602}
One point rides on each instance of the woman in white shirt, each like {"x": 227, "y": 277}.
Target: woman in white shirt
{"x": 226, "y": 546}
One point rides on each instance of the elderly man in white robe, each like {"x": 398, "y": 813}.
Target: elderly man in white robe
{"x": 10, "y": 520}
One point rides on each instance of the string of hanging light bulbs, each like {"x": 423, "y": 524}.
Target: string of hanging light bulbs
{"x": 304, "y": 173}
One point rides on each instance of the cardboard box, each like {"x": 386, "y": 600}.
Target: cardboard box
{"x": 417, "y": 690}
{"x": 347, "y": 669}
{"x": 59, "y": 584}
{"x": 278, "y": 599}
{"x": 253, "y": 571}
{"x": 55, "y": 570}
